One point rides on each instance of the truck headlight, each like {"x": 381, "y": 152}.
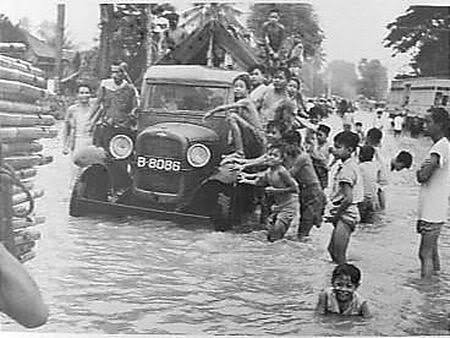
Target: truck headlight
{"x": 121, "y": 146}
{"x": 198, "y": 155}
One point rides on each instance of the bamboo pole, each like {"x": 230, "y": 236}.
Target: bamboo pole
{"x": 25, "y": 174}
{"x": 9, "y": 149}
{"x": 21, "y": 223}
{"x": 18, "y": 134}
{"x": 22, "y": 197}
{"x": 27, "y": 185}
{"x": 22, "y": 108}
{"x": 19, "y": 91}
{"x": 20, "y": 120}
{"x": 18, "y": 75}
{"x": 21, "y": 65}
{"x": 15, "y": 47}
{"x": 25, "y": 162}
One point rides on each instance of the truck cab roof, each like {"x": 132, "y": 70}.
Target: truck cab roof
{"x": 191, "y": 74}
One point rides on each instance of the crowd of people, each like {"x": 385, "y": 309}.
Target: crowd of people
{"x": 283, "y": 146}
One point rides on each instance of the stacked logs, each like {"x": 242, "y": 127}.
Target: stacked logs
{"x": 22, "y": 124}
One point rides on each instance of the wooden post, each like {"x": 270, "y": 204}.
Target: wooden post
{"x": 106, "y": 17}
{"x": 59, "y": 43}
{"x": 149, "y": 41}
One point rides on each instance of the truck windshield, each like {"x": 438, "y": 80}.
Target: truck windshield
{"x": 172, "y": 97}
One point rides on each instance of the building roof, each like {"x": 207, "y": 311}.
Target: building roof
{"x": 43, "y": 49}
{"x": 190, "y": 74}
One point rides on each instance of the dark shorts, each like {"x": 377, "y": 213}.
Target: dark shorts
{"x": 424, "y": 227}
{"x": 397, "y": 132}
{"x": 366, "y": 210}
{"x": 350, "y": 216}
{"x": 312, "y": 208}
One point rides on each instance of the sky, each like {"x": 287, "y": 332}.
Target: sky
{"x": 354, "y": 29}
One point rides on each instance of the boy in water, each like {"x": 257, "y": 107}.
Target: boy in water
{"x": 369, "y": 173}
{"x": 341, "y": 298}
{"x": 284, "y": 189}
{"x": 360, "y": 132}
{"x": 320, "y": 154}
{"x": 312, "y": 198}
{"x": 402, "y": 161}
{"x": 434, "y": 179}
{"x": 347, "y": 192}
{"x": 374, "y": 136}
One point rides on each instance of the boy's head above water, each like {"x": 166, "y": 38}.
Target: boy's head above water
{"x": 366, "y": 153}
{"x": 345, "y": 280}
{"x": 402, "y": 161}
{"x": 374, "y": 136}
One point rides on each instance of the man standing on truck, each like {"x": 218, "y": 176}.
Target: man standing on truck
{"x": 113, "y": 110}
{"x": 273, "y": 35}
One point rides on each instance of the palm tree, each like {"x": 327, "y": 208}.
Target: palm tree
{"x": 201, "y": 13}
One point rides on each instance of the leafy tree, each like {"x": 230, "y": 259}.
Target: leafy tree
{"x": 225, "y": 13}
{"x": 424, "y": 31}
{"x": 296, "y": 18}
{"x": 47, "y": 31}
{"x": 374, "y": 80}
{"x": 342, "y": 78}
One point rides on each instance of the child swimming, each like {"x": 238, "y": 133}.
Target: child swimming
{"x": 341, "y": 298}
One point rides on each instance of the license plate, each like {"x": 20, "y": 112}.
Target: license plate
{"x": 158, "y": 163}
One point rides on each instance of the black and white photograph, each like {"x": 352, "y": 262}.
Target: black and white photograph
{"x": 224, "y": 168}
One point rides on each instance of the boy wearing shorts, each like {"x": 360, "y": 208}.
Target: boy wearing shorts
{"x": 347, "y": 192}
{"x": 434, "y": 180}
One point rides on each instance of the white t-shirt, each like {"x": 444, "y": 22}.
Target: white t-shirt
{"x": 433, "y": 196}
{"x": 398, "y": 123}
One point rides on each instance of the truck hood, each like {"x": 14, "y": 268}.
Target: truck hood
{"x": 192, "y": 132}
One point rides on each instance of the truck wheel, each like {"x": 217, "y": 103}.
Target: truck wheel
{"x": 92, "y": 184}
{"x": 75, "y": 206}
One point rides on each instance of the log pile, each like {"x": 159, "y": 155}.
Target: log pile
{"x": 22, "y": 124}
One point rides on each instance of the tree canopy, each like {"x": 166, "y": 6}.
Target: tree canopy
{"x": 374, "y": 80}
{"x": 342, "y": 78}
{"x": 424, "y": 32}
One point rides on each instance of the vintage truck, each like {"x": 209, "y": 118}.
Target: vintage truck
{"x": 168, "y": 168}
{"x": 412, "y": 97}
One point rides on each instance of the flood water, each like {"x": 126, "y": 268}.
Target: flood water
{"x": 134, "y": 275}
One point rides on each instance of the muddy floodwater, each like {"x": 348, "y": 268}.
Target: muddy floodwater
{"x": 133, "y": 275}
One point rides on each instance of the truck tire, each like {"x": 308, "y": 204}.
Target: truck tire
{"x": 92, "y": 184}
{"x": 75, "y": 207}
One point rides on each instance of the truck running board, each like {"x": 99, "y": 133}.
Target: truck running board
{"x": 96, "y": 206}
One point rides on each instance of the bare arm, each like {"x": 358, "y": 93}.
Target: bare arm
{"x": 69, "y": 130}
{"x": 222, "y": 108}
{"x": 321, "y": 307}
{"x": 20, "y": 298}
{"x": 427, "y": 169}
{"x": 95, "y": 114}
{"x": 347, "y": 192}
